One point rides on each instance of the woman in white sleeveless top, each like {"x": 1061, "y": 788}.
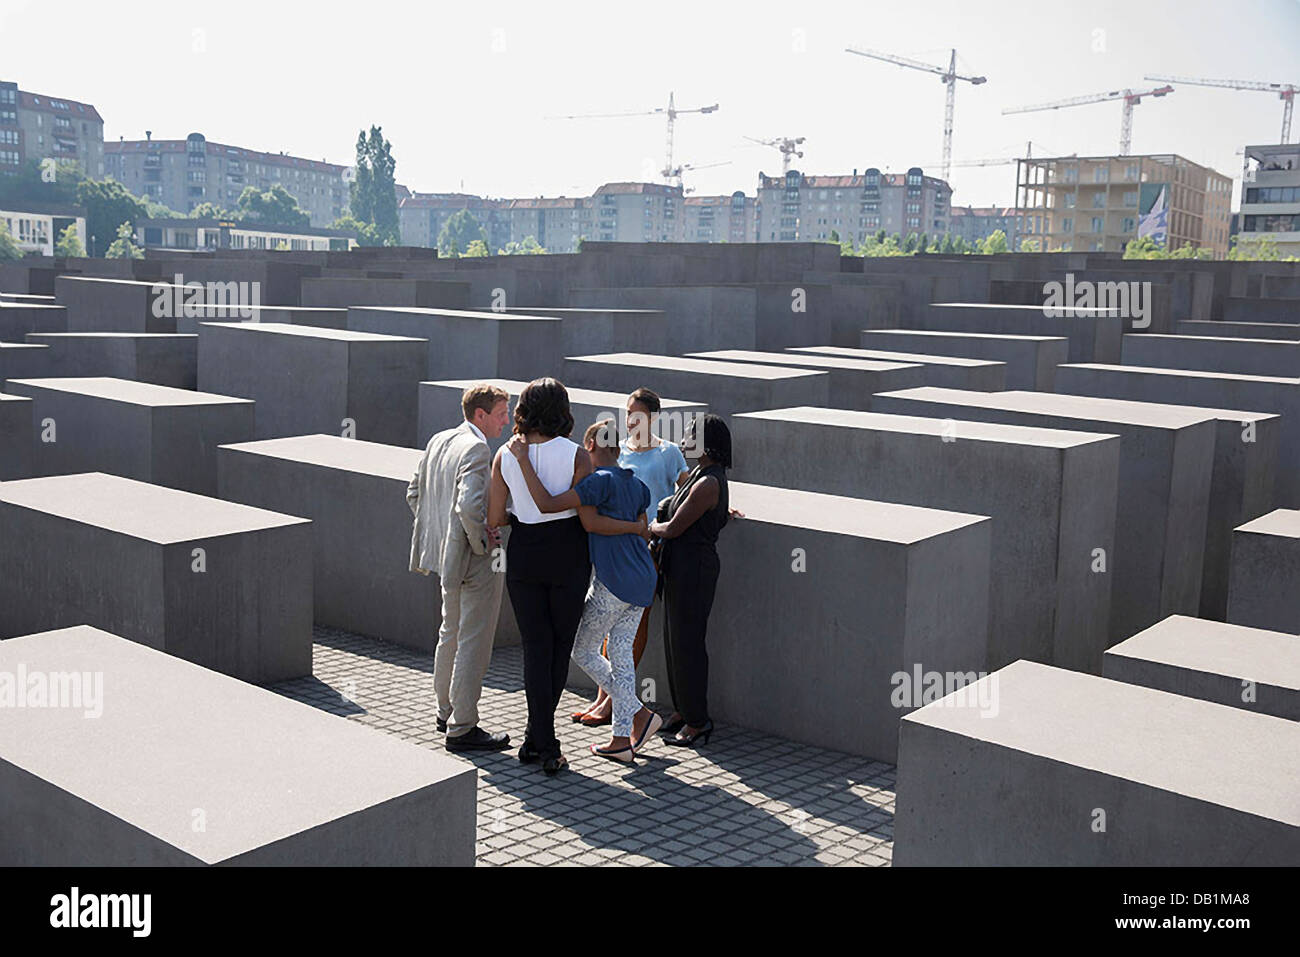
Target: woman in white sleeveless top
{"x": 547, "y": 565}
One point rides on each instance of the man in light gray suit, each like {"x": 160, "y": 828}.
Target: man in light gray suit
{"x": 448, "y": 497}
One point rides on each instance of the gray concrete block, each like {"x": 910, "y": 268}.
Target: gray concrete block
{"x": 696, "y": 317}
{"x": 17, "y": 320}
{"x": 160, "y": 358}
{"x": 1247, "y": 668}
{"x": 1237, "y": 330}
{"x": 1267, "y": 357}
{"x": 1051, "y": 495}
{"x": 825, "y": 601}
{"x": 1212, "y": 390}
{"x": 1165, "y": 466}
{"x": 354, "y": 492}
{"x": 1094, "y": 334}
{"x": 596, "y": 331}
{"x": 1031, "y": 360}
{"x": 277, "y": 782}
{"x": 466, "y": 344}
{"x": 326, "y": 318}
{"x": 17, "y": 441}
{"x": 307, "y": 380}
{"x": 852, "y": 381}
{"x": 329, "y": 292}
{"x": 226, "y": 586}
{"x": 24, "y": 360}
{"x": 1261, "y": 309}
{"x": 114, "y": 305}
{"x": 950, "y": 372}
{"x": 152, "y": 433}
{"x": 1181, "y": 782}
{"x": 1264, "y": 590}
{"x": 727, "y": 387}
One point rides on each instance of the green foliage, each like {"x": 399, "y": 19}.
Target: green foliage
{"x": 1030, "y": 245}
{"x": 273, "y": 207}
{"x": 367, "y": 235}
{"x": 43, "y": 183}
{"x": 529, "y": 246}
{"x": 124, "y": 247}
{"x": 995, "y": 243}
{"x": 847, "y": 248}
{"x": 108, "y": 204}
{"x": 1263, "y": 249}
{"x": 210, "y": 210}
{"x": 946, "y": 247}
{"x": 69, "y": 244}
{"x": 458, "y": 232}
{"x": 9, "y": 250}
{"x": 477, "y": 250}
{"x": 373, "y": 196}
{"x": 923, "y": 244}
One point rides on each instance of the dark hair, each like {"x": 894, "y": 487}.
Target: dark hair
{"x": 646, "y": 398}
{"x": 544, "y": 407}
{"x": 716, "y": 437}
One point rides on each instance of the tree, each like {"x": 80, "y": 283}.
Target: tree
{"x": 47, "y": 181}
{"x": 9, "y": 250}
{"x": 458, "y": 232}
{"x": 69, "y": 244}
{"x": 274, "y": 207}
{"x": 909, "y": 246}
{"x": 945, "y": 247}
{"x": 995, "y": 243}
{"x": 365, "y": 232}
{"x": 124, "y": 247}
{"x": 373, "y": 194}
{"x": 1029, "y": 245}
{"x": 210, "y": 210}
{"x": 108, "y": 205}
{"x": 529, "y": 246}
{"x": 847, "y": 248}
{"x": 477, "y": 249}
{"x": 835, "y": 236}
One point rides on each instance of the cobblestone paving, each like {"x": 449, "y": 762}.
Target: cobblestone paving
{"x": 745, "y": 798}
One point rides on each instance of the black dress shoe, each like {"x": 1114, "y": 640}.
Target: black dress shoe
{"x": 476, "y": 739}
{"x": 440, "y": 725}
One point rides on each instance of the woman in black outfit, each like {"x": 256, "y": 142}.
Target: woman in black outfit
{"x": 689, "y": 564}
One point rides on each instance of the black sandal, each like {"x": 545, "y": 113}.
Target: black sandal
{"x": 694, "y": 741}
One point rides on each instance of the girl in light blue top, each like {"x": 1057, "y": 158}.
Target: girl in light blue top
{"x": 661, "y": 466}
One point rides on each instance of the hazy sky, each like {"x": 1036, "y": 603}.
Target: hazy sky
{"x": 463, "y": 90}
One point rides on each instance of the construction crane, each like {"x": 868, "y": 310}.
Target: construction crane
{"x": 950, "y": 78}
{"x": 1285, "y": 92}
{"x": 789, "y": 147}
{"x": 999, "y": 160}
{"x": 677, "y": 172}
{"x": 1131, "y": 99}
{"x": 671, "y": 112}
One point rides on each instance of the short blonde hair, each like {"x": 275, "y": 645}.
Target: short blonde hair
{"x": 602, "y": 434}
{"x": 481, "y": 395}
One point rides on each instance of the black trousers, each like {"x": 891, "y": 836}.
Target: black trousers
{"x": 547, "y": 574}
{"x": 690, "y": 581}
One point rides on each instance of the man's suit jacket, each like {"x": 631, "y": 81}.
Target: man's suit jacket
{"x": 448, "y": 498}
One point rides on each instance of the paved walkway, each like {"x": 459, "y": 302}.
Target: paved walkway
{"x": 744, "y": 798}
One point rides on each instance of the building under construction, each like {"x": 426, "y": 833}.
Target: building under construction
{"x": 1102, "y": 203}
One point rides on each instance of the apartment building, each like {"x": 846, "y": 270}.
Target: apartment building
{"x": 795, "y": 207}
{"x": 1101, "y": 203}
{"x": 637, "y": 213}
{"x": 421, "y": 216}
{"x": 716, "y": 219}
{"x": 559, "y": 224}
{"x": 1270, "y": 197}
{"x": 34, "y": 126}
{"x": 181, "y": 174}
{"x": 976, "y": 223}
